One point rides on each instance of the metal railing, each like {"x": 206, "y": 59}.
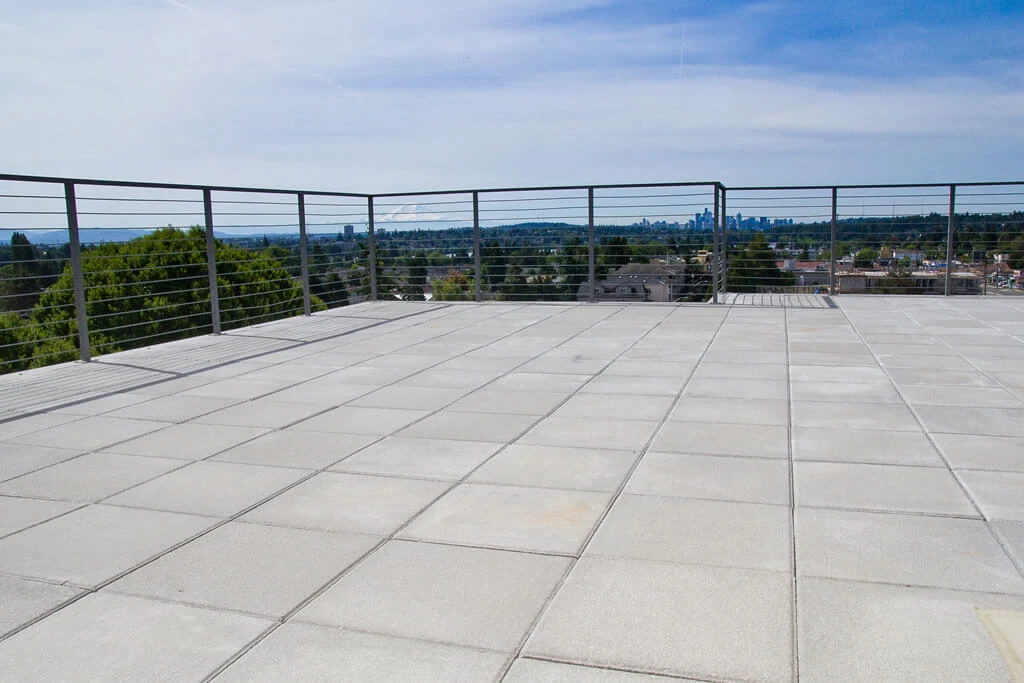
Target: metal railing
{"x": 103, "y": 265}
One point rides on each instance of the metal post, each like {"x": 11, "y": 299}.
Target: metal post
{"x": 211, "y": 262}
{"x": 373, "y": 250}
{"x": 714, "y": 251}
{"x": 591, "y": 251}
{"x": 307, "y": 304}
{"x": 832, "y": 264}
{"x": 75, "y": 247}
{"x": 724, "y": 238}
{"x": 477, "y": 269}
{"x": 949, "y": 240}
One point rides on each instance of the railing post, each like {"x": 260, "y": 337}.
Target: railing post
{"x": 591, "y": 250}
{"x": 307, "y": 304}
{"x": 477, "y": 269}
{"x": 949, "y": 240}
{"x": 724, "y": 239}
{"x": 832, "y": 262}
{"x": 372, "y": 254}
{"x": 714, "y": 251}
{"x": 77, "y": 275}
{"x": 211, "y": 262}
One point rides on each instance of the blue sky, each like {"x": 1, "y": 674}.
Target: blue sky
{"x": 393, "y": 95}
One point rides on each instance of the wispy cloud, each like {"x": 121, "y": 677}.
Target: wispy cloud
{"x": 394, "y": 95}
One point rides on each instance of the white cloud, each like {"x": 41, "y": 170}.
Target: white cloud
{"x": 393, "y": 95}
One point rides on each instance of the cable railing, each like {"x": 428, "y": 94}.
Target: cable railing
{"x": 96, "y": 266}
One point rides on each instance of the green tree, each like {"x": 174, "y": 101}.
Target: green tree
{"x": 155, "y": 289}
{"x": 865, "y": 258}
{"x": 754, "y": 268}
{"x": 454, "y": 286}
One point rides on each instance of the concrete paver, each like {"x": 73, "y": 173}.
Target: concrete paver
{"x": 424, "y": 490}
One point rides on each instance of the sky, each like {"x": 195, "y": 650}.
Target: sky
{"x": 393, "y": 95}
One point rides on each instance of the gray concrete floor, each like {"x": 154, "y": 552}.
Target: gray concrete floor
{"x": 528, "y": 493}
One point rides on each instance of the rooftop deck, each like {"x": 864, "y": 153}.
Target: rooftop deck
{"x": 403, "y": 491}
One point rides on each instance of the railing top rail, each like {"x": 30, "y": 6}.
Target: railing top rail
{"x": 550, "y": 188}
{"x": 171, "y": 186}
{"x": 881, "y": 186}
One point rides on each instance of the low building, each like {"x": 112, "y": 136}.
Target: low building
{"x": 922, "y": 282}
{"x": 658, "y": 281}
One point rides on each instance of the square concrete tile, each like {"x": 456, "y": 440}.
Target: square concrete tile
{"x": 353, "y": 420}
{"x": 540, "y": 381}
{"x": 978, "y": 397}
{"x": 90, "y": 433}
{"x": 263, "y": 412}
{"x": 442, "y": 593}
{"x": 540, "y": 671}
{"x": 731, "y": 410}
{"x": 749, "y": 480}
{"x": 294, "y": 448}
{"x": 563, "y": 365}
{"x": 450, "y": 378}
{"x": 25, "y": 600}
{"x": 323, "y": 391}
{"x": 423, "y": 458}
{"x": 33, "y": 423}
{"x": 219, "y": 489}
{"x": 1012, "y": 534}
{"x": 264, "y": 570}
{"x": 640, "y": 385}
{"x": 546, "y": 520}
{"x": 880, "y": 487}
{"x": 332, "y": 501}
{"x": 869, "y": 632}
{"x": 19, "y": 513}
{"x": 410, "y": 398}
{"x": 616, "y": 407}
{"x": 981, "y": 452}
{"x": 153, "y": 641}
{"x": 965, "y": 420}
{"x": 556, "y": 467}
{"x": 630, "y": 435}
{"x": 724, "y": 534}
{"x": 305, "y": 652}
{"x": 885, "y": 416}
{"x": 369, "y": 375}
{"x": 650, "y": 368}
{"x": 632, "y": 614}
{"x": 90, "y": 477}
{"x": 103, "y": 404}
{"x": 846, "y": 392}
{"x": 452, "y": 424}
{"x": 720, "y": 387}
{"x": 173, "y": 408}
{"x": 492, "y": 400}
{"x": 763, "y": 441}
{"x": 1000, "y": 495}
{"x": 17, "y": 459}
{"x": 921, "y": 551}
{"x": 241, "y": 388}
{"x": 949, "y": 378}
{"x": 740, "y": 371}
{"x": 865, "y": 445}
{"x": 91, "y": 545}
{"x": 842, "y": 375}
{"x": 190, "y": 441}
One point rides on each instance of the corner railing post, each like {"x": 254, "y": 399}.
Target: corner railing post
{"x": 950, "y": 236}
{"x": 372, "y": 254}
{"x": 307, "y": 304}
{"x": 591, "y": 250}
{"x": 724, "y": 238}
{"x": 211, "y": 262}
{"x": 77, "y": 275}
{"x": 714, "y": 251}
{"x": 477, "y": 269}
{"x": 832, "y": 248}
